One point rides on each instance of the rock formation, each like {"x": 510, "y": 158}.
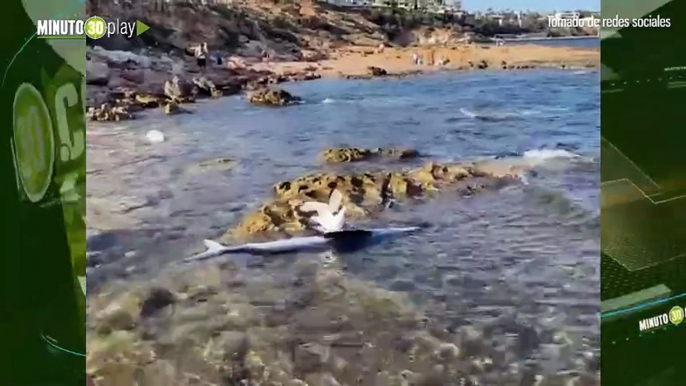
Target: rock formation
{"x": 366, "y": 193}
{"x": 355, "y": 154}
{"x": 108, "y": 112}
{"x": 376, "y": 71}
{"x": 272, "y": 97}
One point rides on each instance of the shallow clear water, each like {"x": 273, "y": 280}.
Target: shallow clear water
{"x": 524, "y": 259}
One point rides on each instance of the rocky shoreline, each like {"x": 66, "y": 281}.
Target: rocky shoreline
{"x": 122, "y": 83}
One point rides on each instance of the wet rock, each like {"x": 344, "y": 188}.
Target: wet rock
{"x": 136, "y": 76}
{"x": 255, "y": 365}
{"x": 234, "y": 345}
{"x": 434, "y": 379}
{"x": 301, "y": 77}
{"x": 354, "y": 154}
{"x": 402, "y": 285}
{"x": 119, "y": 320}
{"x": 172, "y": 108}
{"x": 528, "y": 339}
{"x": 156, "y": 300}
{"x": 217, "y": 164}
{"x": 97, "y": 73}
{"x": 148, "y": 100}
{"x": 346, "y": 155}
{"x": 116, "y": 374}
{"x": 177, "y": 89}
{"x": 325, "y": 379}
{"x": 108, "y": 113}
{"x": 471, "y": 340}
{"x": 448, "y": 351}
{"x": 206, "y": 87}
{"x": 376, "y": 71}
{"x": 309, "y": 357}
{"x": 159, "y": 373}
{"x": 272, "y": 97}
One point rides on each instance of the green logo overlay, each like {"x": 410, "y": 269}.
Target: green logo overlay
{"x": 676, "y": 315}
{"x": 95, "y": 27}
{"x": 34, "y": 144}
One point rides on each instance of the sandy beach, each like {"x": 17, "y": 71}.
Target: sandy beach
{"x": 356, "y": 60}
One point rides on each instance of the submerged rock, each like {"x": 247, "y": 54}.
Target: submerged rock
{"x": 217, "y": 164}
{"x": 272, "y": 97}
{"x": 156, "y": 300}
{"x": 354, "y": 154}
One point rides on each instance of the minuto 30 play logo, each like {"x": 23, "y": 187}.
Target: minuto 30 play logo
{"x": 95, "y": 27}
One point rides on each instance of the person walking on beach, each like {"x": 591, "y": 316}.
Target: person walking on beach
{"x": 415, "y": 58}
{"x": 201, "y": 55}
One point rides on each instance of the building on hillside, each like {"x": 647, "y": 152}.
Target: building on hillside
{"x": 409, "y": 4}
{"x": 348, "y": 3}
{"x": 565, "y": 15}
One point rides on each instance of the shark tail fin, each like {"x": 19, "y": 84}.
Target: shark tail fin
{"x": 212, "y": 246}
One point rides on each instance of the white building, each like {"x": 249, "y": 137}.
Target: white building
{"x": 565, "y": 15}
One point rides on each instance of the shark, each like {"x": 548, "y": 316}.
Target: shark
{"x": 329, "y": 221}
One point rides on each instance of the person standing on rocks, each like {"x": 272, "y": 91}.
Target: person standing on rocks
{"x": 201, "y": 55}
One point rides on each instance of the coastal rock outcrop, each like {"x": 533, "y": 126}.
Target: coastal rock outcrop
{"x": 177, "y": 89}
{"x": 355, "y": 154}
{"x": 272, "y": 97}
{"x": 97, "y": 73}
{"x": 367, "y": 193}
{"x": 148, "y": 100}
{"x": 108, "y": 112}
{"x": 205, "y": 87}
{"x": 172, "y": 108}
{"x": 376, "y": 71}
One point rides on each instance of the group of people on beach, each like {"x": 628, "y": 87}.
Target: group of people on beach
{"x": 418, "y": 59}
